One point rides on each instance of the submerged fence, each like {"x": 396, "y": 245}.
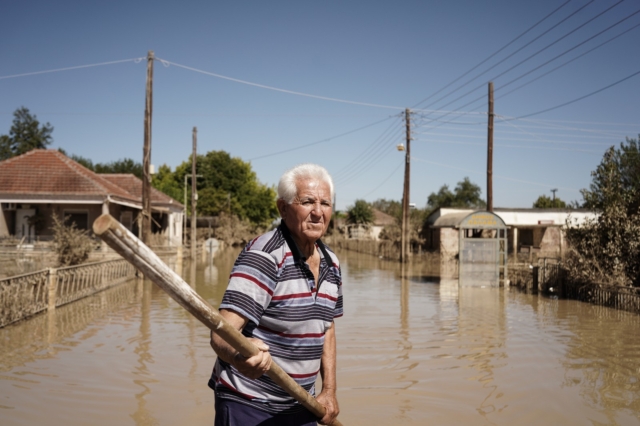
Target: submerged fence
{"x": 24, "y": 295}
{"x": 551, "y": 278}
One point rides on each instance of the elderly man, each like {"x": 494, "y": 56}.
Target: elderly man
{"x": 284, "y": 292}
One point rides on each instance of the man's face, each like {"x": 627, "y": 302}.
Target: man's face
{"x": 308, "y": 216}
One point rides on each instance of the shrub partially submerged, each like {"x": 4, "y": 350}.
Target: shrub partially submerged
{"x": 72, "y": 245}
{"x": 607, "y": 250}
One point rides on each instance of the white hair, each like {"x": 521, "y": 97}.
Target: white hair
{"x": 287, "y": 187}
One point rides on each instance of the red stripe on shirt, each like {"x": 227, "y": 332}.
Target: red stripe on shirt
{"x": 287, "y": 254}
{"x": 254, "y": 280}
{"x": 302, "y": 376}
{"x": 291, "y": 296}
{"x": 326, "y": 296}
{"x": 227, "y": 384}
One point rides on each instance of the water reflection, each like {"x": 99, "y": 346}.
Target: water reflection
{"x": 141, "y": 374}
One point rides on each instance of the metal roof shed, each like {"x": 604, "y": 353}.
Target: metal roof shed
{"x": 483, "y": 250}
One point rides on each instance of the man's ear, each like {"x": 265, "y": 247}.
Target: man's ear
{"x": 282, "y": 207}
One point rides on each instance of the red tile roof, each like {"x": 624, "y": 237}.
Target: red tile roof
{"x": 49, "y": 174}
{"x": 383, "y": 219}
{"x": 133, "y": 185}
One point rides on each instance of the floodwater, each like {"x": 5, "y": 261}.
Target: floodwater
{"x": 411, "y": 351}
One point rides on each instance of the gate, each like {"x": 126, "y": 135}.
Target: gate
{"x": 483, "y": 250}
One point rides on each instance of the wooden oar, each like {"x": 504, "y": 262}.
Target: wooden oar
{"x": 142, "y": 257}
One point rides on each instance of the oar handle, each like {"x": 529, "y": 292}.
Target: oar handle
{"x": 144, "y": 259}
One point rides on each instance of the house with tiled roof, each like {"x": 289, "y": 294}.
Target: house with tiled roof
{"x": 372, "y": 230}
{"x": 44, "y": 182}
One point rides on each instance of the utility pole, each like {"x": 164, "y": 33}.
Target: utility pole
{"x": 194, "y": 195}
{"x": 490, "y": 151}
{"x": 146, "y": 154}
{"x": 184, "y": 222}
{"x": 553, "y": 202}
{"x": 404, "y": 252}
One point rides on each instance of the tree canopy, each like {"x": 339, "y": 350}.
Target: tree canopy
{"x": 227, "y": 185}
{"x": 26, "y": 133}
{"x": 465, "y": 194}
{"x": 390, "y": 207}
{"x": 360, "y": 213}
{"x": 124, "y": 165}
{"x": 546, "y": 202}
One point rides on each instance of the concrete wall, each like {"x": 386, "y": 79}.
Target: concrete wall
{"x": 550, "y": 240}
{"x": 449, "y": 241}
{"x": 4, "y": 223}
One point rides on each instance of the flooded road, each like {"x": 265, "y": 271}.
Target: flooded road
{"x": 412, "y": 351}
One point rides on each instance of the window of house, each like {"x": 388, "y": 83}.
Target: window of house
{"x": 126, "y": 218}
{"x": 80, "y": 219}
{"x": 525, "y": 237}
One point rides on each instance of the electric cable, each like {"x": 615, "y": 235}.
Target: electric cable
{"x": 393, "y": 127}
{"x": 384, "y": 181}
{"x": 366, "y": 161}
{"x": 496, "y": 52}
{"x": 320, "y": 141}
{"x": 563, "y": 64}
{"x": 497, "y": 176}
{"x": 166, "y": 63}
{"x": 578, "y": 99}
{"x": 135, "y": 60}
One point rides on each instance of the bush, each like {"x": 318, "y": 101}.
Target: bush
{"x": 72, "y": 245}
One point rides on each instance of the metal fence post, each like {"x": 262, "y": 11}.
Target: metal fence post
{"x": 53, "y": 287}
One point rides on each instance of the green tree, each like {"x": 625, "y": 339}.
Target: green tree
{"x": 165, "y": 181}
{"x": 361, "y": 213}
{"x": 125, "y": 165}
{"x": 229, "y": 184}
{"x": 607, "y": 249}
{"x": 390, "y": 207}
{"x": 25, "y": 134}
{"x": 616, "y": 181}
{"x": 546, "y": 202}
{"x": 465, "y": 194}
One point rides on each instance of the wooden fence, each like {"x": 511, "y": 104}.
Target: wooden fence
{"x": 25, "y": 295}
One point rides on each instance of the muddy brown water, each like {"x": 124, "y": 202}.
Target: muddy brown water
{"x": 412, "y": 351}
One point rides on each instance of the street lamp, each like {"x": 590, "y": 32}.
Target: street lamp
{"x": 553, "y": 202}
{"x": 184, "y": 227}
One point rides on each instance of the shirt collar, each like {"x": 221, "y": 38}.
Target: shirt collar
{"x": 295, "y": 250}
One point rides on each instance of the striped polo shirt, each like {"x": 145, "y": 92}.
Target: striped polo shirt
{"x": 272, "y": 286}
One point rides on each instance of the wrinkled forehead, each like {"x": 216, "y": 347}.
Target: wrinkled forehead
{"x": 313, "y": 188}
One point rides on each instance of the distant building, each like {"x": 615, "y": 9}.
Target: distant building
{"x": 371, "y": 231}
{"x": 42, "y": 182}
{"x": 529, "y": 230}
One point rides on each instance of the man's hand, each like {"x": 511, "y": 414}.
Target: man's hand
{"x": 328, "y": 400}
{"x": 256, "y": 365}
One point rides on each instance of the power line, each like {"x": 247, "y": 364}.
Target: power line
{"x": 498, "y": 176}
{"x": 291, "y": 92}
{"x": 504, "y": 59}
{"x": 320, "y": 141}
{"x": 578, "y": 99}
{"x": 385, "y": 181}
{"x": 530, "y": 56}
{"x": 369, "y": 149}
{"x": 503, "y": 145}
{"x": 371, "y": 156}
{"x": 526, "y": 59}
{"x": 495, "y": 53}
{"x": 573, "y": 48}
{"x": 136, "y": 60}
{"x": 539, "y": 138}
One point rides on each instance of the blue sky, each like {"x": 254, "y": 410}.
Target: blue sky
{"x": 379, "y": 57}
